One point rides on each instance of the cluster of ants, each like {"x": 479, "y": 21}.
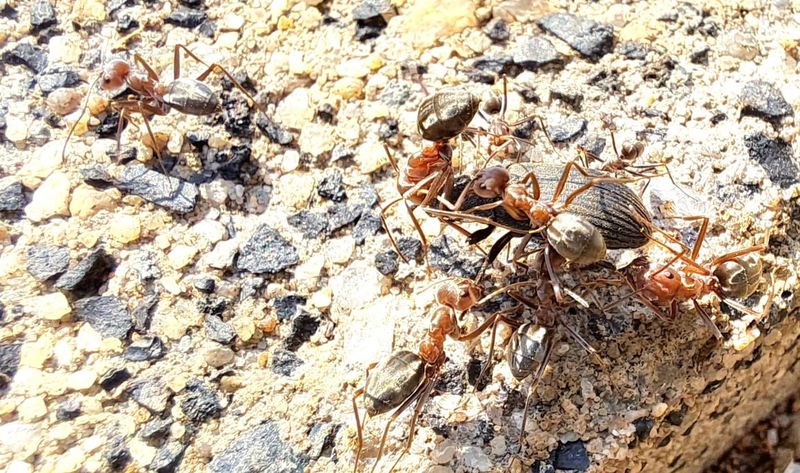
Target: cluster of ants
{"x": 589, "y": 211}
{"x": 570, "y": 214}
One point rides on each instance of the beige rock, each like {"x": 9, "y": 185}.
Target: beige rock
{"x": 20, "y": 439}
{"x": 45, "y": 160}
{"x": 244, "y": 326}
{"x": 35, "y": 354}
{"x": 63, "y": 101}
{"x": 16, "y": 466}
{"x": 371, "y": 156}
{"x": 339, "y": 250}
{"x": 32, "y": 409}
{"x": 82, "y": 380}
{"x": 85, "y": 11}
{"x": 294, "y": 190}
{"x": 125, "y": 228}
{"x": 290, "y": 161}
{"x": 16, "y": 130}
{"x": 316, "y": 139}
{"x": 428, "y": 21}
{"x": 87, "y": 201}
{"x": 348, "y": 88}
{"x": 64, "y": 48}
{"x": 357, "y": 68}
{"x": 50, "y": 199}
{"x": 181, "y": 255}
{"x": 295, "y": 110}
{"x": 61, "y": 431}
{"x": 54, "y": 306}
{"x": 88, "y": 340}
{"x": 217, "y": 355}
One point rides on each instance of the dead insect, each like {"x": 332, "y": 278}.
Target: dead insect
{"x": 446, "y": 114}
{"x": 150, "y": 96}
{"x": 503, "y": 142}
{"x": 568, "y": 234}
{"x": 734, "y": 275}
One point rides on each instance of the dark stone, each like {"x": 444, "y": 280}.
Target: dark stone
{"x": 310, "y": 223}
{"x": 259, "y": 449}
{"x": 113, "y": 378}
{"x": 57, "y": 76}
{"x": 191, "y": 3}
{"x": 342, "y": 215}
{"x": 304, "y": 325}
{"x": 633, "y": 51}
{"x": 775, "y": 156}
{"x": 718, "y": 118}
{"x": 9, "y": 362}
{"x": 474, "y": 370}
{"x": 410, "y": 248}
{"x": 207, "y": 29}
{"x": 388, "y": 129}
{"x": 676, "y": 417}
{"x": 529, "y": 96}
{"x": 107, "y": 314}
{"x": 387, "y": 262}
{"x": 87, "y": 276}
{"x": 214, "y": 306}
{"x": 497, "y": 30}
{"x": 567, "y": 93}
{"x": 396, "y": 93}
{"x": 571, "y": 456}
{"x": 109, "y": 125}
{"x": 236, "y": 113}
{"x": 274, "y": 132}
{"x": 448, "y": 256}
{"x": 593, "y": 144}
{"x": 218, "y": 330}
{"x": 200, "y": 402}
{"x": 69, "y": 409}
{"x": 12, "y": 198}
{"x": 234, "y": 164}
{"x": 371, "y": 8}
{"x": 481, "y": 77}
{"x": 566, "y": 129}
{"x": 321, "y": 436}
{"x": 205, "y": 284}
{"x": 148, "y": 348}
{"x": 117, "y": 454}
{"x": 287, "y": 306}
{"x": 761, "y": 99}
{"x": 97, "y": 177}
{"x": 126, "y": 23}
{"x": 285, "y": 362}
{"x": 141, "y": 314}
{"x": 495, "y": 64}
{"x": 700, "y": 55}
{"x": 151, "y": 394}
{"x": 485, "y": 431}
{"x": 452, "y": 380}
{"x": 46, "y": 262}
{"x": 367, "y": 195}
{"x": 156, "y": 429}
{"x": 168, "y": 458}
{"x": 593, "y": 40}
{"x": 165, "y": 191}
{"x": 326, "y": 113}
{"x": 27, "y": 55}
{"x": 186, "y": 17}
{"x": 43, "y": 15}
{"x": 542, "y": 467}
{"x": 369, "y": 28}
{"x": 331, "y": 187}
{"x": 266, "y": 252}
{"x": 534, "y": 52}
{"x": 368, "y": 225}
{"x": 643, "y": 427}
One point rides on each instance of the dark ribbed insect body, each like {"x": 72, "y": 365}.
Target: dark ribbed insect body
{"x": 393, "y": 381}
{"x": 446, "y": 114}
{"x": 191, "y": 97}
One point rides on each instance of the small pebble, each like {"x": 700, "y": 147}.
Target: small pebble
{"x": 27, "y": 55}
{"x": 200, "y": 402}
{"x": 54, "y": 306}
{"x": 763, "y": 100}
{"x": 497, "y": 30}
{"x": 43, "y": 15}
{"x": 108, "y": 315}
{"x": 186, "y": 17}
{"x": 12, "y": 197}
{"x": 591, "y": 39}
{"x": 258, "y": 449}
{"x": 114, "y": 377}
{"x": 285, "y": 362}
{"x": 266, "y": 252}
{"x": 45, "y": 262}
{"x": 387, "y": 262}
{"x": 88, "y": 275}
{"x": 534, "y": 52}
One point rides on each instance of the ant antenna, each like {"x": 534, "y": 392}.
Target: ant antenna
{"x": 83, "y": 110}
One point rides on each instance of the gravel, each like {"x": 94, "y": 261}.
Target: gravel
{"x": 165, "y": 191}
{"x": 258, "y": 449}
{"x": 266, "y": 252}
{"x": 46, "y": 262}
{"x": 590, "y": 38}
{"x": 107, "y": 314}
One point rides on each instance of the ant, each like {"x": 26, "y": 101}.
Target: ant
{"x": 734, "y": 275}
{"x": 149, "y": 96}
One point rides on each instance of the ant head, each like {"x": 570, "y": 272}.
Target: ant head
{"x": 115, "y": 74}
{"x": 491, "y": 182}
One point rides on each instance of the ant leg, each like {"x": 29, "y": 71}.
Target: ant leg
{"x": 701, "y": 235}
{"x": 554, "y": 281}
{"x": 388, "y": 230}
{"x": 392, "y": 161}
{"x": 537, "y": 377}
{"x": 211, "y": 68}
{"x": 707, "y": 320}
{"x": 425, "y": 385}
{"x": 151, "y": 73}
{"x": 359, "y": 426}
{"x": 583, "y": 343}
{"x": 736, "y": 254}
{"x": 531, "y": 178}
{"x": 412, "y": 423}
{"x": 504, "y": 107}
{"x": 80, "y": 117}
